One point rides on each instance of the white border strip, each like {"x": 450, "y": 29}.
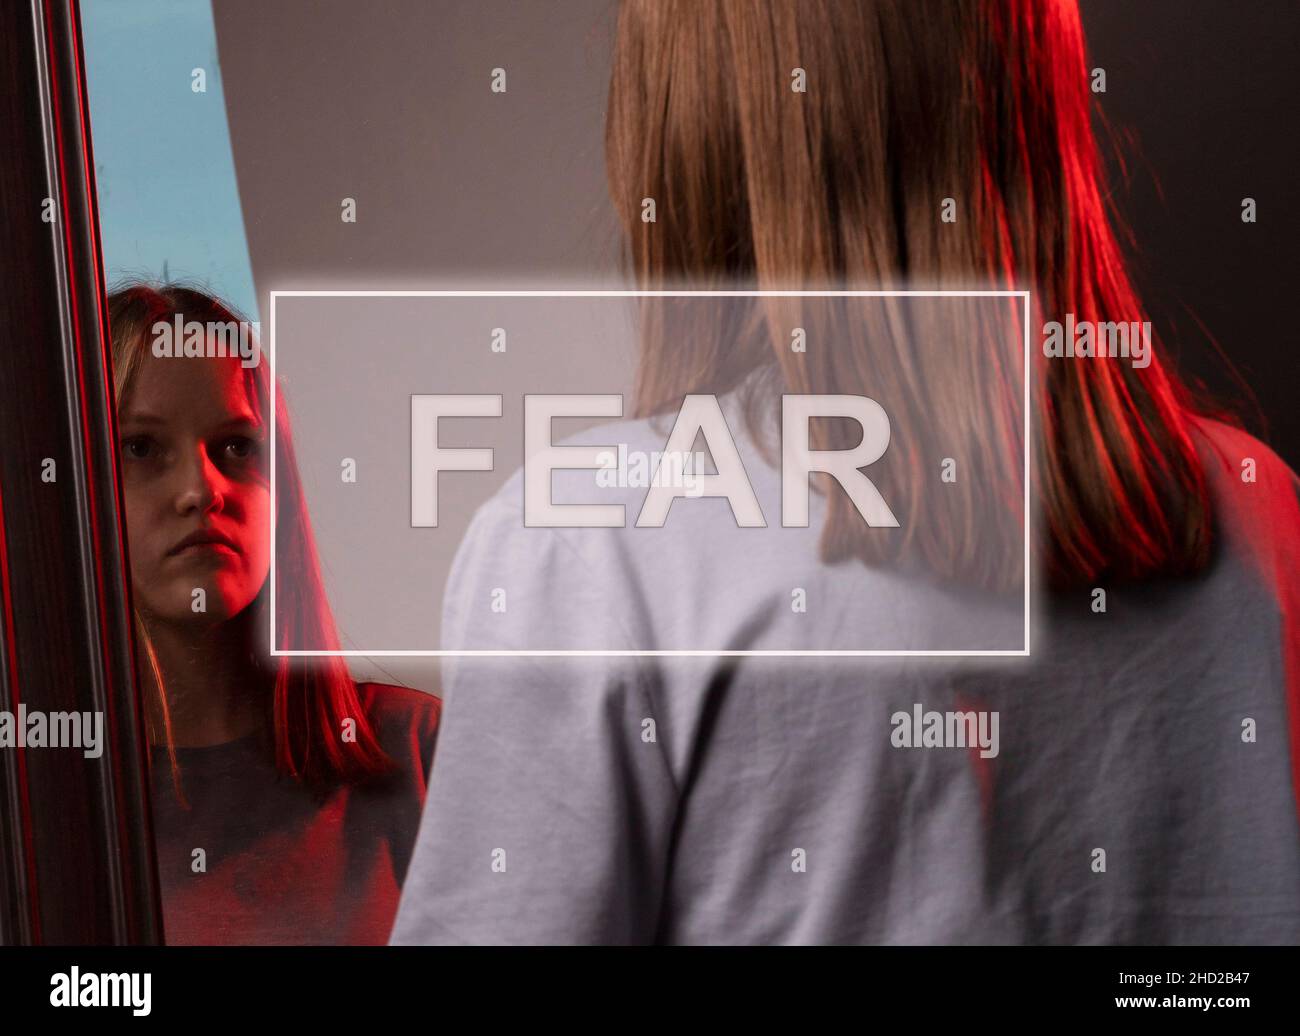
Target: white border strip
{"x": 297, "y": 653}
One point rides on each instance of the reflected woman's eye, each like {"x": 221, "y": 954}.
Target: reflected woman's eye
{"x": 137, "y": 447}
{"x": 241, "y": 447}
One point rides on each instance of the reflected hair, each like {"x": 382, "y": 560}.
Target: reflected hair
{"x": 311, "y": 697}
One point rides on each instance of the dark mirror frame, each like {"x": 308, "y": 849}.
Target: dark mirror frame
{"x": 77, "y": 862}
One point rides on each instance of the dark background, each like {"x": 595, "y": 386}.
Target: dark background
{"x": 1202, "y": 97}
{"x": 387, "y": 102}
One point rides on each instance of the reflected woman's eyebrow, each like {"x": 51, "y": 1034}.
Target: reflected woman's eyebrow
{"x": 243, "y": 419}
{"x": 240, "y": 420}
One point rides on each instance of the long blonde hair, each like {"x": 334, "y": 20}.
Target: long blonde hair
{"x": 909, "y": 103}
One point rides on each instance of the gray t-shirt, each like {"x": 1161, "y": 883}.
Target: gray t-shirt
{"x": 1141, "y": 792}
{"x": 257, "y": 859}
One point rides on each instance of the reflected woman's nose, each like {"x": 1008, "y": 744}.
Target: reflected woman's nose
{"x": 201, "y": 485}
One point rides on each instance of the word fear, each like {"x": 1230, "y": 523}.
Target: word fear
{"x": 699, "y": 415}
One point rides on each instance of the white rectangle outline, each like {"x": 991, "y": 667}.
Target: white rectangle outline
{"x": 631, "y": 653}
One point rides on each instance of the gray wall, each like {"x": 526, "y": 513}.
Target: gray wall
{"x": 456, "y": 187}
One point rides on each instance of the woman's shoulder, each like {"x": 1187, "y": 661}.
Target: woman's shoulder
{"x": 1242, "y": 468}
{"x": 385, "y": 700}
{"x": 405, "y": 719}
{"x": 1233, "y": 451}
{"x": 1256, "y": 494}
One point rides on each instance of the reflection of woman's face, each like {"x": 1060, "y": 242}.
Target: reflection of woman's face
{"x": 193, "y": 464}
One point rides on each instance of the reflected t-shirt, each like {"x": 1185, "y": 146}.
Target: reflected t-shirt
{"x": 277, "y": 865}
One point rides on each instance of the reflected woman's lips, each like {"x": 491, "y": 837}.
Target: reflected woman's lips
{"x": 197, "y": 549}
{"x": 203, "y": 541}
